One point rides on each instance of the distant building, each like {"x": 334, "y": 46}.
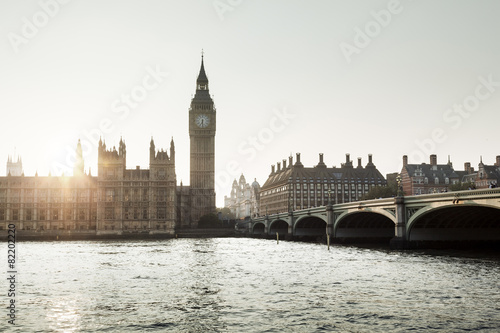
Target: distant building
{"x": 14, "y": 168}
{"x": 48, "y": 203}
{"x": 244, "y": 199}
{"x": 486, "y": 176}
{"x": 294, "y": 186}
{"x": 434, "y": 178}
{"x": 428, "y": 178}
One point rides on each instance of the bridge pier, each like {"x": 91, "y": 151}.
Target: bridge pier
{"x": 399, "y": 241}
{"x": 330, "y": 221}
{"x": 266, "y": 227}
{"x": 289, "y": 235}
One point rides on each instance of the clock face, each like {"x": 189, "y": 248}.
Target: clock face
{"x": 202, "y": 120}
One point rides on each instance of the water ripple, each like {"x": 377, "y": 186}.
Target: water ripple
{"x": 251, "y": 285}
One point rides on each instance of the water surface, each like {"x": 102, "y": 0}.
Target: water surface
{"x": 249, "y": 285}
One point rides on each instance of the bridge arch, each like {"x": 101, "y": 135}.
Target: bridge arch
{"x": 278, "y": 226}
{"x": 455, "y": 222}
{"x": 310, "y": 225}
{"x": 365, "y": 224}
{"x": 258, "y": 229}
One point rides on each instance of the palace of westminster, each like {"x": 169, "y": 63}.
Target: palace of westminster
{"x": 120, "y": 200}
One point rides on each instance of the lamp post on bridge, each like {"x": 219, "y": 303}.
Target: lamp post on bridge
{"x": 399, "y": 192}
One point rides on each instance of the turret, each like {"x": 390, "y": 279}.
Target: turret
{"x": 172, "y": 150}
{"x": 152, "y": 151}
{"x": 79, "y": 165}
{"x": 122, "y": 150}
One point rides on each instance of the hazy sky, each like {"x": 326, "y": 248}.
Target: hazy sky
{"x": 386, "y": 78}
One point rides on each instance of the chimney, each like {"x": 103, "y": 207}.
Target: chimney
{"x": 347, "y": 158}
{"x": 467, "y": 167}
{"x": 359, "y": 162}
{"x": 321, "y": 158}
{"x": 405, "y": 160}
{"x": 433, "y": 159}
{"x": 497, "y": 164}
{"x": 298, "y": 158}
{"x": 279, "y": 166}
{"x": 290, "y": 161}
{"x": 370, "y": 159}
{"x": 272, "y": 168}
{"x": 284, "y": 164}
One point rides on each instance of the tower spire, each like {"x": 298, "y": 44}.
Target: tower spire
{"x": 79, "y": 165}
{"x": 202, "y": 81}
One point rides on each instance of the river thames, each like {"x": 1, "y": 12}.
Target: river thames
{"x": 249, "y": 285}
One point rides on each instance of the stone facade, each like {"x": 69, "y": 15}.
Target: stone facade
{"x": 136, "y": 200}
{"x": 49, "y": 203}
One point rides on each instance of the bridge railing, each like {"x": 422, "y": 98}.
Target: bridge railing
{"x": 467, "y": 194}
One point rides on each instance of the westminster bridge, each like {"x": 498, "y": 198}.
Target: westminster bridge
{"x": 472, "y": 216}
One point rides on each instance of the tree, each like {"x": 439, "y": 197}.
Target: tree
{"x": 209, "y": 221}
{"x": 226, "y": 213}
{"x": 462, "y": 186}
{"x": 376, "y": 192}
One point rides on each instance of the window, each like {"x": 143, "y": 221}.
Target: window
{"x": 162, "y": 194}
{"x": 67, "y": 214}
{"x": 110, "y": 195}
{"x": 28, "y": 214}
{"x": 145, "y": 214}
{"x": 2, "y": 214}
{"x": 55, "y": 214}
{"x": 81, "y": 214}
{"x": 42, "y": 215}
{"x": 15, "y": 214}
{"x": 109, "y": 213}
{"x": 161, "y": 213}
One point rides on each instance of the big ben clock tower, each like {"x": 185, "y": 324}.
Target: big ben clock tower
{"x": 202, "y": 149}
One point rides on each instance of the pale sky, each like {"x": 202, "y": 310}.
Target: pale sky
{"x": 386, "y": 78}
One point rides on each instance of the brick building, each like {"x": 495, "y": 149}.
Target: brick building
{"x": 294, "y": 186}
